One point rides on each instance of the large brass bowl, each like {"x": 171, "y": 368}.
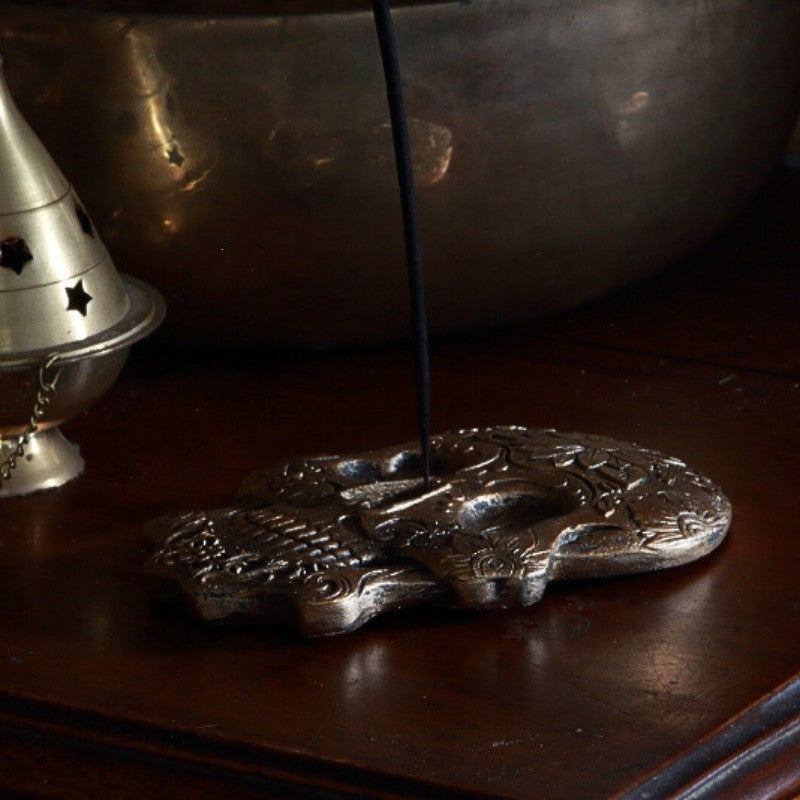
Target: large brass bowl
{"x": 563, "y": 148}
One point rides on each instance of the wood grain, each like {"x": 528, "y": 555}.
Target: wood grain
{"x": 105, "y": 694}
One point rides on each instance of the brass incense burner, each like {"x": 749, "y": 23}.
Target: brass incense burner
{"x": 67, "y": 317}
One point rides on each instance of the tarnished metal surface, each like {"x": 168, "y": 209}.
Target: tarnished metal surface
{"x": 330, "y": 542}
{"x": 563, "y": 147}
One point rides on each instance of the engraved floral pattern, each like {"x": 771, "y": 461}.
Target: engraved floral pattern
{"x": 506, "y": 509}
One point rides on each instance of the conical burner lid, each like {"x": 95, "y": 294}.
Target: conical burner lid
{"x": 59, "y": 290}
{"x": 29, "y": 178}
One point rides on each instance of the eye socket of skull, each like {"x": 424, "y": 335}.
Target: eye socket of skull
{"x": 510, "y": 508}
{"x": 407, "y": 465}
{"x": 360, "y": 470}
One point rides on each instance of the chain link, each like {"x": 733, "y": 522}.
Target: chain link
{"x": 44, "y": 394}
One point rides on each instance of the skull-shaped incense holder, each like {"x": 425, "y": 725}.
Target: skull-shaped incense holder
{"x": 67, "y": 317}
{"x": 330, "y": 542}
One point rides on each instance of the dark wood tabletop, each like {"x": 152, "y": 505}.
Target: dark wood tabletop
{"x": 688, "y": 679}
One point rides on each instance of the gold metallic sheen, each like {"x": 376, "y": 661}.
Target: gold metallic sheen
{"x": 563, "y": 148}
{"x": 65, "y": 312}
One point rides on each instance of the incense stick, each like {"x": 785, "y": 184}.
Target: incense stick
{"x": 405, "y": 176}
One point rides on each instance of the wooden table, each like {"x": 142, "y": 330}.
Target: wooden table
{"x": 104, "y": 694}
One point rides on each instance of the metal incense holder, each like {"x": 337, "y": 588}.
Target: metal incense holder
{"x": 328, "y": 543}
{"x": 475, "y": 518}
{"x": 67, "y": 317}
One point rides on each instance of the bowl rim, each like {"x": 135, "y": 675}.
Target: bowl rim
{"x": 203, "y": 9}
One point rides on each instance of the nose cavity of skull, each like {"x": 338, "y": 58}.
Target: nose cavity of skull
{"x": 396, "y": 480}
{"x": 381, "y": 493}
{"x": 399, "y": 478}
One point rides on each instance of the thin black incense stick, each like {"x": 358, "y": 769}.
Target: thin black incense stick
{"x": 405, "y": 176}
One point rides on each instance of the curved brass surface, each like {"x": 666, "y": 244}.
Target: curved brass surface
{"x": 80, "y": 385}
{"x": 563, "y": 148}
{"x": 50, "y": 461}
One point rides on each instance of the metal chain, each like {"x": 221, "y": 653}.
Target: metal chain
{"x": 44, "y": 395}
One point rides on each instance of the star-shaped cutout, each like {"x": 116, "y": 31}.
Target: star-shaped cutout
{"x": 174, "y": 155}
{"x": 14, "y": 254}
{"x": 78, "y": 298}
{"x": 83, "y": 218}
